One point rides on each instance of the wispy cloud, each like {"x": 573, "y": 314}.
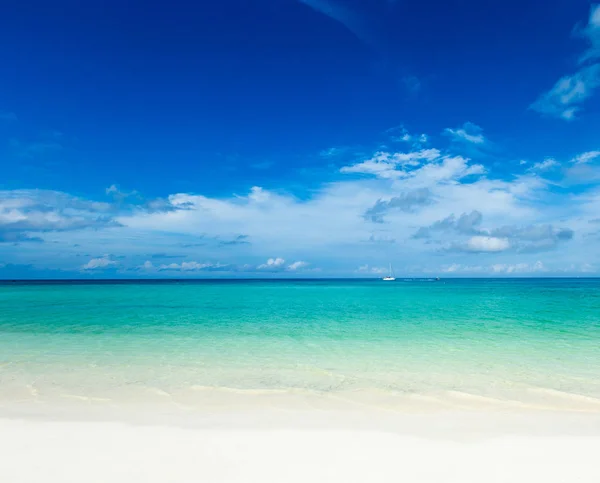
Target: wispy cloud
{"x": 518, "y": 268}
{"x": 333, "y": 152}
{"x": 565, "y": 99}
{"x": 591, "y": 32}
{"x": 297, "y": 266}
{"x": 392, "y": 165}
{"x": 498, "y": 268}
{"x": 545, "y": 165}
{"x": 469, "y": 133}
{"x": 272, "y": 264}
{"x": 349, "y": 18}
{"x": 191, "y": 266}
{"x": 586, "y": 157}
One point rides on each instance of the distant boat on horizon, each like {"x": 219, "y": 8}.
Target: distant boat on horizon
{"x": 390, "y": 277}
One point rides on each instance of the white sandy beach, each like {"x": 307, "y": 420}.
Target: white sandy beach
{"x": 276, "y": 446}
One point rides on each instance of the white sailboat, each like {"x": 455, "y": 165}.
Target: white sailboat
{"x": 390, "y": 277}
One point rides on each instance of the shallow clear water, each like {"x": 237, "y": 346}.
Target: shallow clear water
{"x": 533, "y": 342}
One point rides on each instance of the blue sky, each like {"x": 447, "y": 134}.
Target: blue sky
{"x": 299, "y": 138}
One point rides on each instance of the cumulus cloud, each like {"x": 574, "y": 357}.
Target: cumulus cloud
{"x": 469, "y": 133}
{"x": 99, "y": 263}
{"x": 484, "y": 244}
{"x": 520, "y": 238}
{"x": 453, "y": 199}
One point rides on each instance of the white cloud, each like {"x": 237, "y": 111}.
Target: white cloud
{"x": 496, "y": 268}
{"x": 272, "y": 263}
{"x": 332, "y": 152}
{"x": 518, "y": 268}
{"x": 592, "y": 33}
{"x": 390, "y": 165}
{"x": 565, "y": 98}
{"x": 99, "y": 263}
{"x": 487, "y": 244}
{"x": 545, "y": 165}
{"x": 458, "y": 268}
{"x": 24, "y": 213}
{"x": 470, "y": 133}
{"x": 297, "y": 266}
{"x": 496, "y": 220}
{"x": 400, "y": 134}
{"x": 258, "y": 195}
{"x": 455, "y": 267}
{"x": 585, "y": 157}
{"x": 193, "y": 266}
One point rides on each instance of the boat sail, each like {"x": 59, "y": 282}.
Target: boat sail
{"x": 390, "y": 277}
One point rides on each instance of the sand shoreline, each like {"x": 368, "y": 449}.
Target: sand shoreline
{"x": 259, "y": 448}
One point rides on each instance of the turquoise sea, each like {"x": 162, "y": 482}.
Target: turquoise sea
{"x": 452, "y": 343}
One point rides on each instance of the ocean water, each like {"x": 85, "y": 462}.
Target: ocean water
{"x": 396, "y": 345}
